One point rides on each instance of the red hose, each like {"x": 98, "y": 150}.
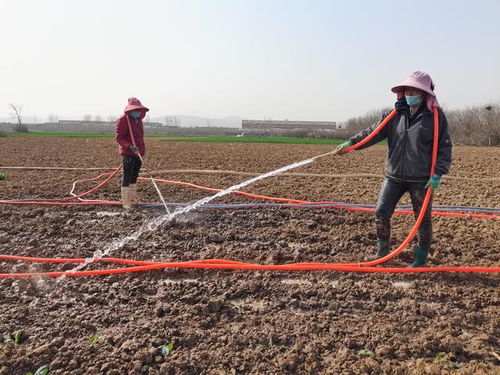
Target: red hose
{"x": 230, "y": 265}
{"x": 425, "y": 204}
{"x": 334, "y": 205}
{"x": 139, "y": 266}
{"x": 377, "y": 130}
{"x": 238, "y": 192}
{"x": 95, "y": 188}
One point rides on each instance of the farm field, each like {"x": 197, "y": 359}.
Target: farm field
{"x": 186, "y": 138}
{"x": 242, "y": 322}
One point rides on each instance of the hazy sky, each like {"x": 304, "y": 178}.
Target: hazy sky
{"x": 309, "y": 59}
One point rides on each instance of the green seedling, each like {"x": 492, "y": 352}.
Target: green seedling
{"x": 270, "y": 343}
{"x": 3, "y": 176}
{"x": 44, "y": 370}
{"x": 450, "y": 363}
{"x": 16, "y": 337}
{"x": 439, "y": 356}
{"x": 165, "y": 350}
{"x": 94, "y": 339}
{"x": 366, "y": 353}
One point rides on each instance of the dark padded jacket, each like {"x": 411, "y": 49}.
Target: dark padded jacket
{"x": 409, "y": 140}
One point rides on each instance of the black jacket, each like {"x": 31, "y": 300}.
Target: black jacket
{"x": 409, "y": 139}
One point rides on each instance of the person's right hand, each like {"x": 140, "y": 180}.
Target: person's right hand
{"x": 341, "y": 149}
{"x": 134, "y": 149}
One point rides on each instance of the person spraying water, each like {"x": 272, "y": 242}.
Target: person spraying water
{"x": 409, "y": 137}
{"x": 130, "y": 137}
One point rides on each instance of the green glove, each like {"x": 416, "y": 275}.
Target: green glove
{"x": 341, "y": 148}
{"x": 434, "y": 182}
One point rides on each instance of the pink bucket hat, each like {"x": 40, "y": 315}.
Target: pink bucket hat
{"x": 134, "y": 104}
{"x": 421, "y": 81}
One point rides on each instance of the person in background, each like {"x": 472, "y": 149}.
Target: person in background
{"x": 409, "y": 137}
{"x": 130, "y": 137}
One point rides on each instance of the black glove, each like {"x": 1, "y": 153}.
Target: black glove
{"x": 401, "y": 105}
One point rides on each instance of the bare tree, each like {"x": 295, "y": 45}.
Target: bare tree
{"x": 111, "y": 118}
{"x": 53, "y": 117}
{"x": 97, "y": 118}
{"x": 363, "y": 122}
{"x": 16, "y": 113}
{"x": 478, "y": 125}
{"x": 87, "y": 118}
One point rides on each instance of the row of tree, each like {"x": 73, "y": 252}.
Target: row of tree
{"x": 478, "y": 125}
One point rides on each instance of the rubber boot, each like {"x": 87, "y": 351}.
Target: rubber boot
{"x": 126, "y": 198}
{"x": 382, "y": 250}
{"x": 133, "y": 193}
{"x": 420, "y": 257}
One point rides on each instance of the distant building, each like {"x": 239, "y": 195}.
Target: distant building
{"x": 80, "y": 122}
{"x": 75, "y": 123}
{"x": 288, "y": 125}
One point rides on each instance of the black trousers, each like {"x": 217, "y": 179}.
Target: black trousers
{"x": 131, "y": 168}
{"x": 390, "y": 194}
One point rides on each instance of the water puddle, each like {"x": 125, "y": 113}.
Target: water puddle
{"x": 296, "y": 282}
{"x": 107, "y": 213}
{"x": 402, "y": 284}
{"x": 243, "y": 302}
{"x": 177, "y": 281}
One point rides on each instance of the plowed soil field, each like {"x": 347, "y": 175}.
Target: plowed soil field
{"x": 242, "y": 322}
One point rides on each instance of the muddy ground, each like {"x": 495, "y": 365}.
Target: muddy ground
{"x": 243, "y": 322}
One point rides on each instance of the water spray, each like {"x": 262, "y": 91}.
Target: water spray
{"x": 156, "y": 222}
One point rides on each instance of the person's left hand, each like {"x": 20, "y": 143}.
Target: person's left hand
{"x": 341, "y": 149}
{"x": 434, "y": 182}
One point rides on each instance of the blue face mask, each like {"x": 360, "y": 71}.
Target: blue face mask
{"x": 413, "y": 101}
{"x": 135, "y": 114}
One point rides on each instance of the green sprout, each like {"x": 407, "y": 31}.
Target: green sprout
{"x": 165, "y": 350}
{"x": 270, "y": 343}
{"x": 449, "y": 362}
{"x": 95, "y": 338}
{"x": 44, "y": 370}
{"x": 16, "y": 336}
{"x": 366, "y": 353}
{"x": 439, "y": 356}
{"x": 3, "y": 176}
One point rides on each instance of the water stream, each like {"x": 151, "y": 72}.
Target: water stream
{"x": 152, "y": 225}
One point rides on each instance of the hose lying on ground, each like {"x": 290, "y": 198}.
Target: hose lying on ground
{"x": 229, "y": 264}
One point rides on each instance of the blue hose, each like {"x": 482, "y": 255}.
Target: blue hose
{"x": 323, "y": 205}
